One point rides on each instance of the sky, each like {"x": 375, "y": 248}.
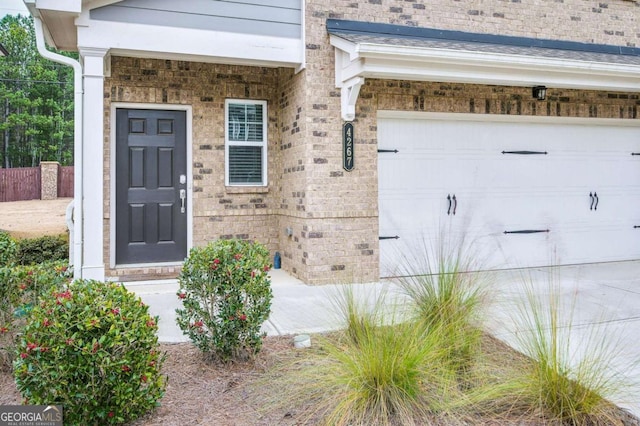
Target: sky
{"x": 12, "y": 7}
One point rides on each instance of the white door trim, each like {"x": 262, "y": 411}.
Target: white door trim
{"x": 112, "y": 168}
{"x": 454, "y": 116}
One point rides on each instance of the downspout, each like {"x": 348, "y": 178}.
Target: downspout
{"x": 76, "y": 261}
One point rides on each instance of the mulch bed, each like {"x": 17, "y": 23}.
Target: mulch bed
{"x": 206, "y": 393}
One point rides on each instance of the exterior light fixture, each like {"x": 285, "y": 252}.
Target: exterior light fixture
{"x": 539, "y": 92}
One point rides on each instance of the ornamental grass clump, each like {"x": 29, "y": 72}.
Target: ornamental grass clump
{"x": 379, "y": 370}
{"x": 226, "y": 295}
{"x": 447, "y": 297}
{"x": 92, "y": 348}
{"x": 568, "y": 380}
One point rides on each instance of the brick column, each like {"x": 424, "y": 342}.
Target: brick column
{"x": 49, "y": 180}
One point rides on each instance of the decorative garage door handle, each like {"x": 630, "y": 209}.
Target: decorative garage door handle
{"x": 594, "y": 201}
{"x": 453, "y": 202}
{"x": 395, "y": 237}
{"x": 527, "y": 231}
{"x": 526, "y": 152}
{"x": 635, "y": 153}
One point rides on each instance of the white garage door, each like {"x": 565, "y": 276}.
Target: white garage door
{"x": 522, "y": 191}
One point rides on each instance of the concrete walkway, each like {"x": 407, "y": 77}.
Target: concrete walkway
{"x": 602, "y": 297}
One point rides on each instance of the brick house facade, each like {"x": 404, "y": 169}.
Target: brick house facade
{"x": 333, "y": 214}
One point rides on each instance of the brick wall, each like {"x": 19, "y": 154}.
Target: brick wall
{"x": 333, "y": 214}
{"x": 343, "y": 205}
{"x": 218, "y": 211}
{"x": 614, "y": 22}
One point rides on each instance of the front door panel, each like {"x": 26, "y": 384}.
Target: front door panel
{"x": 151, "y": 218}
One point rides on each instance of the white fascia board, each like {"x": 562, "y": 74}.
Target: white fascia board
{"x": 383, "y": 61}
{"x": 346, "y": 46}
{"x": 71, "y": 6}
{"x": 505, "y": 118}
{"x": 93, "y": 4}
{"x": 448, "y": 65}
{"x": 496, "y": 75}
{"x": 189, "y": 44}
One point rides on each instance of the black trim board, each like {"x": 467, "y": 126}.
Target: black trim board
{"x": 338, "y": 26}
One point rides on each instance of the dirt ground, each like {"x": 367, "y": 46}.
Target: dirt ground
{"x": 252, "y": 394}
{"x": 33, "y": 218}
{"x": 209, "y": 393}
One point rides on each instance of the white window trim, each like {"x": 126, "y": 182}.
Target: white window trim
{"x": 228, "y": 143}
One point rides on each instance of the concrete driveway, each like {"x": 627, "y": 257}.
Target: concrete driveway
{"x": 604, "y": 298}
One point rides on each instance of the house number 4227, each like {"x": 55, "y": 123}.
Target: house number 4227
{"x": 348, "y": 155}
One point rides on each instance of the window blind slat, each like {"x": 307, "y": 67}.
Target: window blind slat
{"x": 245, "y": 164}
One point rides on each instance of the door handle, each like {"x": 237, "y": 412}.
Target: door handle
{"x": 453, "y": 202}
{"x": 594, "y": 201}
{"x": 183, "y": 197}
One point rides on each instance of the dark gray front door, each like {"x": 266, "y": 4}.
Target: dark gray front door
{"x": 151, "y": 169}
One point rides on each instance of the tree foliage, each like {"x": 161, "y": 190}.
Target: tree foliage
{"x": 36, "y": 100}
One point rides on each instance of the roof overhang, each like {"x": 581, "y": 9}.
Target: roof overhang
{"x": 435, "y": 55}
{"x": 58, "y": 18}
{"x": 68, "y": 26}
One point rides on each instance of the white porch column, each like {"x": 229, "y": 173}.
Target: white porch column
{"x": 93, "y": 260}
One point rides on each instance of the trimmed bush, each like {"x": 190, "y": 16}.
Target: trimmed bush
{"x": 93, "y": 349}
{"x": 226, "y": 296}
{"x": 42, "y": 249}
{"x": 20, "y": 289}
{"x": 8, "y": 249}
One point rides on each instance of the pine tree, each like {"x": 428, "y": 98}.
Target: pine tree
{"x": 36, "y": 100}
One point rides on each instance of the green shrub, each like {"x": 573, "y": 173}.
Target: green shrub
{"x": 20, "y": 289}
{"x": 226, "y": 296}
{"x": 42, "y": 249}
{"x": 93, "y": 349}
{"x": 8, "y": 249}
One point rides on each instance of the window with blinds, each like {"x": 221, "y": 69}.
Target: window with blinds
{"x": 246, "y": 142}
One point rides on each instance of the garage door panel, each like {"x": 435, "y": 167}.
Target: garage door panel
{"x": 585, "y": 191}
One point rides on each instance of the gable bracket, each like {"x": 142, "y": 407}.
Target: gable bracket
{"x": 348, "y": 68}
{"x": 348, "y": 96}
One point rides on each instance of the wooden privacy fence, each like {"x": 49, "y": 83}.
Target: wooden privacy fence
{"x": 46, "y": 182}
{"x": 21, "y": 183}
{"x": 65, "y": 181}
